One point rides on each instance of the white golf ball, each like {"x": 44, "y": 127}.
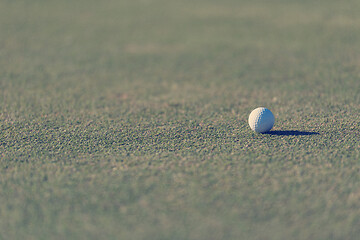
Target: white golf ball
{"x": 261, "y": 120}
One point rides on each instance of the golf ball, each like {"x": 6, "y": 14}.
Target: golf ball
{"x": 261, "y": 120}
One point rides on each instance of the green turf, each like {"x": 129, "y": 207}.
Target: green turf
{"x": 128, "y": 119}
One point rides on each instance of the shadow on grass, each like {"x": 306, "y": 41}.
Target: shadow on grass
{"x": 291, "y": 133}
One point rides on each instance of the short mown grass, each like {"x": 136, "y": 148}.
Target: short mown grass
{"x": 128, "y": 119}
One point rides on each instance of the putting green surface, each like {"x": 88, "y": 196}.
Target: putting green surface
{"x": 128, "y": 119}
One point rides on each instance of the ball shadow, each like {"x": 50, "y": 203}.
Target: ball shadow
{"x": 291, "y": 133}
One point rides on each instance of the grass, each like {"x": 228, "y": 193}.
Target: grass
{"x": 128, "y": 119}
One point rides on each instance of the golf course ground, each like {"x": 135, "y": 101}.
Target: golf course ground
{"x": 127, "y": 119}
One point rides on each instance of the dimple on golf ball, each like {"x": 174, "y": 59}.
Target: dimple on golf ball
{"x": 261, "y": 120}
